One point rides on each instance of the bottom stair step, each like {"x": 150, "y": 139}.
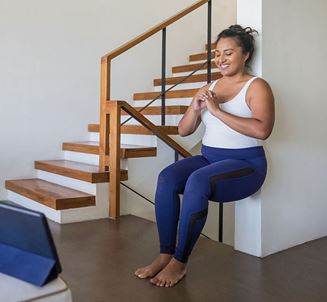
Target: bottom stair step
{"x": 50, "y": 194}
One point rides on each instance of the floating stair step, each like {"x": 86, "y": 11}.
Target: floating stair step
{"x": 184, "y": 93}
{"x": 126, "y": 151}
{"x": 192, "y": 67}
{"x": 50, "y": 194}
{"x": 156, "y": 110}
{"x": 192, "y": 79}
{"x": 138, "y": 129}
{"x": 77, "y": 170}
{"x": 213, "y": 45}
{"x": 201, "y": 56}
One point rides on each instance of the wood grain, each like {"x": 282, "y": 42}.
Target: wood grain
{"x": 125, "y": 150}
{"x": 114, "y": 160}
{"x": 191, "y": 67}
{"x": 184, "y": 93}
{"x": 77, "y": 170}
{"x": 104, "y": 118}
{"x": 201, "y": 56}
{"x": 213, "y": 45}
{"x": 137, "y": 129}
{"x": 192, "y": 79}
{"x": 50, "y": 194}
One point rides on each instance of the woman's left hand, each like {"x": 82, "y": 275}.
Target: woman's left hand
{"x": 212, "y": 101}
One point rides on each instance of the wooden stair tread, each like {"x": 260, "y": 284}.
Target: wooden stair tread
{"x": 50, "y": 194}
{"x": 77, "y": 170}
{"x": 156, "y": 110}
{"x": 192, "y": 67}
{"x": 213, "y": 45}
{"x": 183, "y": 93}
{"x": 201, "y": 56}
{"x": 127, "y": 151}
{"x": 137, "y": 129}
{"x": 192, "y": 79}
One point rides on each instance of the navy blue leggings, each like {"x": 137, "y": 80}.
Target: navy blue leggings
{"x": 218, "y": 174}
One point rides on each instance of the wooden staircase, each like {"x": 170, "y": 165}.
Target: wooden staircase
{"x": 67, "y": 189}
{"x": 59, "y": 197}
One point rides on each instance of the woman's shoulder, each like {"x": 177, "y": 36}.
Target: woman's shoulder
{"x": 258, "y": 84}
{"x": 259, "y": 90}
{"x": 258, "y": 81}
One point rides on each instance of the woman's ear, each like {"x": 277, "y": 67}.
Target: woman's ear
{"x": 246, "y": 56}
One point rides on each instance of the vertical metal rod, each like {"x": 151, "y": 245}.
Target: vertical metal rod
{"x": 163, "y": 78}
{"x": 221, "y": 216}
{"x": 209, "y": 42}
{"x": 176, "y": 156}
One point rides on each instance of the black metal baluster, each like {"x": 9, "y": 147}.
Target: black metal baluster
{"x": 176, "y": 156}
{"x": 209, "y": 42}
{"x": 221, "y": 216}
{"x": 163, "y": 79}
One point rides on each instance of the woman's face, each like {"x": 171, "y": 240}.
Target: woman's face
{"x": 229, "y": 57}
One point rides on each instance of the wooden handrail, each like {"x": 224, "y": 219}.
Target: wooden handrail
{"x": 113, "y": 112}
{"x": 146, "y": 123}
{"x": 151, "y": 31}
{"x": 113, "y": 108}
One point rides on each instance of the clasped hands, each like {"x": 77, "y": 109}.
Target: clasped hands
{"x": 207, "y": 99}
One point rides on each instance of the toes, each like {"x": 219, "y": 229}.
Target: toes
{"x": 158, "y": 282}
{"x": 142, "y": 276}
{"x": 138, "y": 272}
{"x": 141, "y": 273}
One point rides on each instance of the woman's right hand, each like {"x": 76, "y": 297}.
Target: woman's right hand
{"x": 198, "y": 102}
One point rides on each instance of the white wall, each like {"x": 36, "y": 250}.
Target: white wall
{"x": 248, "y": 212}
{"x": 49, "y": 67}
{"x": 294, "y": 63}
{"x": 292, "y": 58}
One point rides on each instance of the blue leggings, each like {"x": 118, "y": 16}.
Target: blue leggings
{"x": 218, "y": 174}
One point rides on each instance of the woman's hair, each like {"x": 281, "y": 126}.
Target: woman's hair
{"x": 243, "y": 36}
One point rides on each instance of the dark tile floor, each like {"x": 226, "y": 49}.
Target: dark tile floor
{"x": 99, "y": 259}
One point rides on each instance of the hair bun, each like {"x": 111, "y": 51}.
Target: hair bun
{"x": 239, "y": 29}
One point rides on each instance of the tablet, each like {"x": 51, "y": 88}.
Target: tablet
{"x": 27, "y": 249}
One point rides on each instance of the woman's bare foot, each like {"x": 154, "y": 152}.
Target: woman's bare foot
{"x": 154, "y": 268}
{"x": 171, "y": 274}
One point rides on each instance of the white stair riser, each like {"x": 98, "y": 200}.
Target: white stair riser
{"x": 67, "y": 182}
{"x": 201, "y": 71}
{"x": 170, "y": 120}
{"x": 130, "y": 139}
{"x": 169, "y": 102}
{"x": 195, "y": 85}
{"x": 91, "y": 159}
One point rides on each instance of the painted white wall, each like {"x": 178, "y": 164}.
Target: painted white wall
{"x": 248, "y": 217}
{"x": 49, "y": 67}
{"x": 294, "y": 48}
{"x": 291, "y": 58}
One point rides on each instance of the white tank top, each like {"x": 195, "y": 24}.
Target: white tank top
{"x": 219, "y": 135}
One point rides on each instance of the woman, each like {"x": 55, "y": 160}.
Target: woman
{"x": 238, "y": 113}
